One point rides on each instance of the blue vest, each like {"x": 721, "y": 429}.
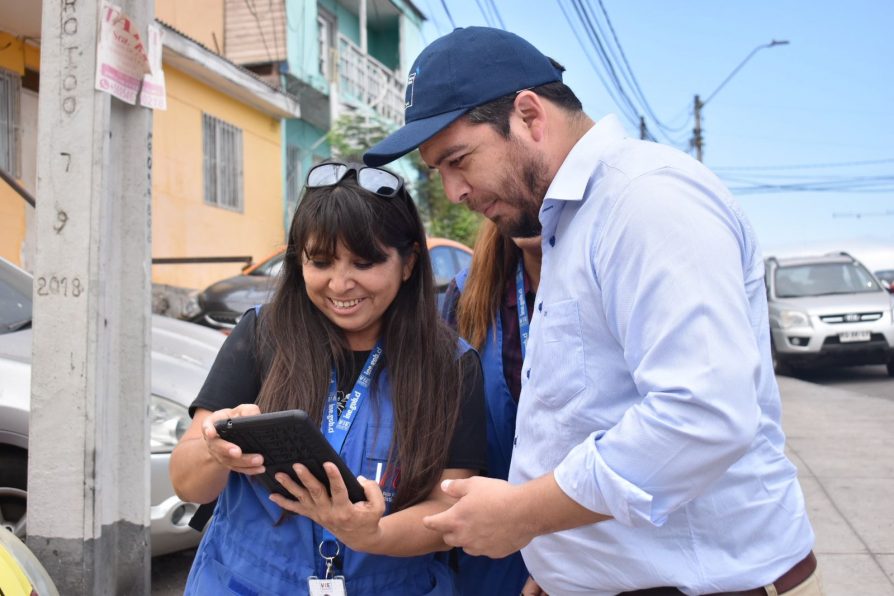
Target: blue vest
{"x": 482, "y": 575}
{"x": 251, "y": 548}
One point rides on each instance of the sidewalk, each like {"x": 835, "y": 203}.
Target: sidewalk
{"x": 843, "y": 445}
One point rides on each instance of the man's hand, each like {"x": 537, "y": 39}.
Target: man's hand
{"x": 532, "y": 588}
{"x": 485, "y": 520}
{"x": 495, "y": 518}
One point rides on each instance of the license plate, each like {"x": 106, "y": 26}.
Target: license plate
{"x": 852, "y": 336}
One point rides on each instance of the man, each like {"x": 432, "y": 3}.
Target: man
{"x": 648, "y": 449}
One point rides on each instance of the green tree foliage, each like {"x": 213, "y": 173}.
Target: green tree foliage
{"x": 352, "y": 134}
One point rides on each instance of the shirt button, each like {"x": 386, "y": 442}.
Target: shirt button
{"x": 552, "y": 240}
{"x": 540, "y": 306}
{"x": 528, "y": 374}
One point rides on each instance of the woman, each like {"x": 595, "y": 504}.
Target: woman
{"x": 355, "y": 294}
{"x": 491, "y": 304}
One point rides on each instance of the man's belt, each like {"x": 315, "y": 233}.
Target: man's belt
{"x": 789, "y": 580}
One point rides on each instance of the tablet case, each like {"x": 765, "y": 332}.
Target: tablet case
{"x": 285, "y": 438}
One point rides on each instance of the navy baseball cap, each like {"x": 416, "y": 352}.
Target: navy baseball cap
{"x": 466, "y": 68}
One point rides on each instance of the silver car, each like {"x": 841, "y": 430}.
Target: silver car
{"x": 828, "y": 310}
{"x": 182, "y": 354}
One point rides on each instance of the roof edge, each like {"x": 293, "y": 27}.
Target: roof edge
{"x": 190, "y": 56}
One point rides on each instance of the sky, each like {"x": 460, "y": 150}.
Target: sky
{"x": 792, "y": 115}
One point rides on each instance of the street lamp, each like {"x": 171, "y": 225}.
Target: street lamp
{"x": 699, "y": 104}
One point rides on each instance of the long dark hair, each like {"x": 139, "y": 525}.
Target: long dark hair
{"x": 419, "y": 350}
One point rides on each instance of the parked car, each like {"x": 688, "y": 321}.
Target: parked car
{"x": 886, "y": 276}
{"x": 182, "y": 354}
{"x": 828, "y": 310}
{"x": 221, "y": 304}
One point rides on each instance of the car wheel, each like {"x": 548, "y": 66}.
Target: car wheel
{"x": 891, "y": 367}
{"x": 13, "y": 491}
{"x": 780, "y": 367}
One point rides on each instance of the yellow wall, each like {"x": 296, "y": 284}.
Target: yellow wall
{"x": 12, "y": 206}
{"x": 182, "y": 224}
{"x": 202, "y": 20}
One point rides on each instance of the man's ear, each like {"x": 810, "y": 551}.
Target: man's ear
{"x": 529, "y": 107}
{"x": 410, "y": 262}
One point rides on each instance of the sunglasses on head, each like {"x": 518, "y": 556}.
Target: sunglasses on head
{"x": 380, "y": 182}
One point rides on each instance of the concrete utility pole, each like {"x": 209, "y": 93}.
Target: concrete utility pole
{"x": 88, "y": 471}
{"x": 697, "y": 140}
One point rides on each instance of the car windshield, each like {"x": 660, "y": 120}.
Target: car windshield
{"x": 269, "y": 268}
{"x": 823, "y": 279}
{"x": 15, "y": 298}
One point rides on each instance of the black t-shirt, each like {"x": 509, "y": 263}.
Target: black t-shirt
{"x": 235, "y": 378}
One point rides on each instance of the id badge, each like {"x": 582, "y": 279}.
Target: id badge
{"x": 326, "y": 587}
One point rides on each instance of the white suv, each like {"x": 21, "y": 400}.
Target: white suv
{"x": 828, "y": 310}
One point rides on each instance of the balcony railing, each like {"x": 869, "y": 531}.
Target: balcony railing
{"x": 368, "y": 82}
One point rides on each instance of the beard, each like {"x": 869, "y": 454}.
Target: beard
{"x": 524, "y": 187}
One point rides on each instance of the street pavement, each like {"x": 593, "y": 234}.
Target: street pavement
{"x": 843, "y": 445}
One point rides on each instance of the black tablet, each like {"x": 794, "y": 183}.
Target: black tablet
{"x": 286, "y": 438}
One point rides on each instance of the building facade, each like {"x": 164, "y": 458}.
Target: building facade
{"x": 217, "y": 152}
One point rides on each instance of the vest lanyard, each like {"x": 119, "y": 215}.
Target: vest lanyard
{"x": 523, "y": 325}
{"x": 336, "y": 427}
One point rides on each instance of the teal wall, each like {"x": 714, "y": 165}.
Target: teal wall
{"x": 384, "y": 45}
{"x": 315, "y": 148}
{"x": 303, "y": 51}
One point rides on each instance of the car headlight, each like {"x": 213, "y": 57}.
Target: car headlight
{"x": 191, "y": 307}
{"x": 168, "y": 421}
{"x": 793, "y": 318}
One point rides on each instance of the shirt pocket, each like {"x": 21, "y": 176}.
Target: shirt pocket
{"x": 375, "y": 461}
{"x": 558, "y": 371}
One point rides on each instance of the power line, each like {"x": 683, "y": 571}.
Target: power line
{"x": 860, "y": 184}
{"x": 487, "y": 18}
{"x": 499, "y": 18}
{"x": 590, "y": 28}
{"x": 632, "y": 80}
{"x": 254, "y": 13}
{"x": 624, "y": 109}
{"x": 841, "y": 164}
{"x": 449, "y": 16}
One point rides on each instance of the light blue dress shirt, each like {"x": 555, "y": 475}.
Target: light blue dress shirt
{"x": 648, "y": 386}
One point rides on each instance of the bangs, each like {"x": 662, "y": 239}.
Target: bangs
{"x": 335, "y": 215}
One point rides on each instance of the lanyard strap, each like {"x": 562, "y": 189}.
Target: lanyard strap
{"x": 523, "y": 325}
{"x": 336, "y": 427}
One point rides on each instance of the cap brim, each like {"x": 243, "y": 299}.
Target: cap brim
{"x": 408, "y": 137}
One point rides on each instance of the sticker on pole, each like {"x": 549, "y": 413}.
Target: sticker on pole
{"x": 153, "y": 93}
{"x": 121, "y": 56}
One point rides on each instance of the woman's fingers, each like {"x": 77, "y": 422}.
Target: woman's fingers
{"x": 373, "y": 493}
{"x": 314, "y": 488}
{"x": 337, "y": 487}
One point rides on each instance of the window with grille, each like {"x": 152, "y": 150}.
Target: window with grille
{"x": 222, "y": 153}
{"x": 326, "y": 28}
{"x": 10, "y": 91}
{"x": 294, "y": 175}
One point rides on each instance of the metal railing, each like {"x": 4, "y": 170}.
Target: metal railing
{"x": 368, "y": 82}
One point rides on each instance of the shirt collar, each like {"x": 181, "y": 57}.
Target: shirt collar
{"x": 571, "y": 180}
